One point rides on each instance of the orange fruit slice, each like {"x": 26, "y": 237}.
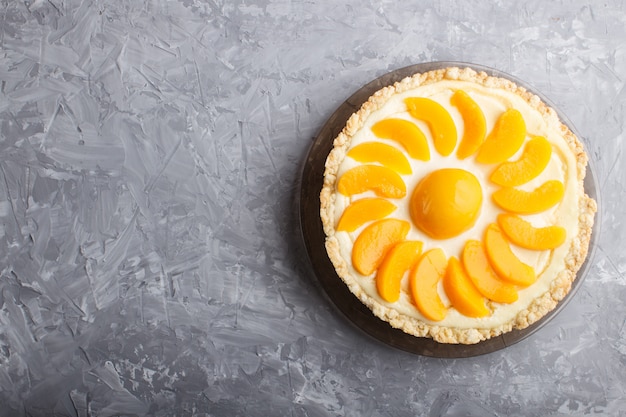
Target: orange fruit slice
{"x": 439, "y": 122}
{"x": 483, "y": 276}
{"x": 423, "y": 282}
{"x": 523, "y": 234}
{"x": 533, "y": 161}
{"x": 504, "y": 140}
{"x": 383, "y": 181}
{"x": 371, "y": 246}
{"x": 399, "y": 259}
{"x": 382, "y": 153}
{"x": 526, "y": 202}
{"x": 475, "y": 126}
{"x": 363, "y": 211}
{"x": 503, "y": 260}
{"x": 462, "y": 293}
{"x": 407, "y": 134}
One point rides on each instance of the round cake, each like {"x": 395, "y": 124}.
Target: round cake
{"x": 454, "y": 208}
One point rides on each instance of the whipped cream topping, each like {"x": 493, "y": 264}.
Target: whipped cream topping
{"x": 562, "y": 167}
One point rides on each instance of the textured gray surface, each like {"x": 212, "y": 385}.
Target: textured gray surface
{"x": 149, "y": 253}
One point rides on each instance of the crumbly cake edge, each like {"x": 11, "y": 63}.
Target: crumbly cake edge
{"x": 541, "y": 305}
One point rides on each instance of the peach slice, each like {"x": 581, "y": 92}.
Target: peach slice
{"x": 399, "y": 259}
{"x": 523, "y": 234}
{"x": 383, "y": 181}
{"x": 439, "y": 122}
{"x": 483, "y": 276}
{"x": 533, "y": 161}
{"x": 382, "y": 153}
{"x": 503, "y": 260}
{"x": 527, "y": 202}
{"x": 504, "y": 140}
{"x": 462, "y": 293}
{"x": 423, "y": 282}
{"x": 371, "y": 246}
{"x": 474, "y": 122}
{"x": 363, "y": 211}
{"x": 446, "y": 202}
{"x": 407, "y": 134}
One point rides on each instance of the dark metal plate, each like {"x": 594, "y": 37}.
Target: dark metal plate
{"x": 313, "y": 234}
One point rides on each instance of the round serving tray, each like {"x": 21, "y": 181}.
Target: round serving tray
{"x": 314, "y": 237}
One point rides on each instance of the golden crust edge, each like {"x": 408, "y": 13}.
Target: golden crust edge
{"x": 541, "y": 305}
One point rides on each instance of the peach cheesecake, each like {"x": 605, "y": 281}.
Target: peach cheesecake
{"x": 454, "y": 208}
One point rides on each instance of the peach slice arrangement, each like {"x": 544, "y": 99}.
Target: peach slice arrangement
{"x": 445, "y": 203}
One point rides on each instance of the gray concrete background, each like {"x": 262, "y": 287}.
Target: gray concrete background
{"x": 150, "y": 262}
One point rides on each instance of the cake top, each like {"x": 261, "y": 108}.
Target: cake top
{"x": 454, "y": 207}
